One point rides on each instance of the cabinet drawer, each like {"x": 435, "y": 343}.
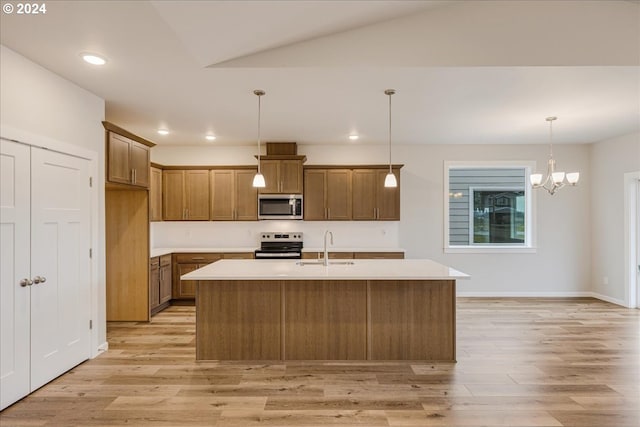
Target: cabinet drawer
{"x": 200, "y": 258}
{"x": 165, "y": 259}
{"x": 155, "y": 262}
{"x": 379, "y": 255}
{"x": 239, "y": 255}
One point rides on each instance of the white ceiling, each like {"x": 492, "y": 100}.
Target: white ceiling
{"x": 472, "y": 72}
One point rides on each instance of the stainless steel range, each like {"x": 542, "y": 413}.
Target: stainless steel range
{"x": 280, "y": 245}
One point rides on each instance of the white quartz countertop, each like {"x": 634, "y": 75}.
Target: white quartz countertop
{"x": 360, "y": 269}
{"x": 332, "y": 249}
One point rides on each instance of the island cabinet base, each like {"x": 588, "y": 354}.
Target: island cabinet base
{"x": 325, "y": 320}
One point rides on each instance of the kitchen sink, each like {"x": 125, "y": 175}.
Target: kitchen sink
{"x": 319, "y": 262}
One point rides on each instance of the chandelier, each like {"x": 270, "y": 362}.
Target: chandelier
{"x": 554, "y": 180}
{"x": 258, "y": 179}
{"x": 390, "y": 179}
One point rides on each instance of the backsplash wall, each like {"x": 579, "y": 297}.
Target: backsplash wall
{"x": 231, "y": 234}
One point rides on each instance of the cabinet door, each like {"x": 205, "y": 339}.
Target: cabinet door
{"x": 387, "y": 199}
{"x": 246, "y": 196}
{"x": 270, "y": 170}
{"x": 119, "y": 169}
{"x": 165, "y": 283}
{"x": 197, "y": 195}
{"x": 173, "y": 195}
{"x": 291, "y": 176}
{"x": 364, "y": 194}
{"x": 139, "y": 163}
{"x": 154, "y": 283}
{"x": 155, "y": 195}
{"x": 315, "y": 194}
{"x": 339, "y": 194}
{"x": 186, "y": 288}
{"x": 222, "y": 188}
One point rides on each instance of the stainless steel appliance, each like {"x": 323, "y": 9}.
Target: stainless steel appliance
{"x": 280, "y": 245}
{"x": 280, "y": 206}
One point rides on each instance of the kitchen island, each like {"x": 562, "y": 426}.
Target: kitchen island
{"x": 347, "y": 310}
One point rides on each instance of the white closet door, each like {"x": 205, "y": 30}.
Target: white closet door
{"x": 60, "y": 242}
{"x": 14, "y": 266}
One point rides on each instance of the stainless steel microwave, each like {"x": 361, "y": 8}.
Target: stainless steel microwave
{"x": 279, "y": 206}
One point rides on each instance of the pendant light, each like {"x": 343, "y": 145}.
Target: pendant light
{"x": 258, "y": 179}
{"x": 554, "y": 180}
{"x": 390, "y": 180}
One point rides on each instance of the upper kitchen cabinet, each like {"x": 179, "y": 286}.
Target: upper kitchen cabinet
{"x": 155, "y": 195}
{"x": 128, "y": 157}
{"x": 185, "y": 195}
{"x": 371, "y": 199}
{"x": 327, "y": 194}
{"x": 282, "y": 174}
{"x": 233, "y": 197}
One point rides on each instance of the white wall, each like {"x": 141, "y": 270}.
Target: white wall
{"x": 610, "y": 160}
{"x": 39, "y": 107}
{"x": 559, "y": 267}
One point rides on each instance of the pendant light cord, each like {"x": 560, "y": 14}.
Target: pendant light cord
{"x": 259, "y": 110}
{"x": 389, "y": 93}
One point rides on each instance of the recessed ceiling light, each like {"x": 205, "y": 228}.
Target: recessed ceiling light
{"x": 163, "y": 132}
{"x": 210, "y": 137}
{"x": 353, "y": 137}
{"x": 93, "y": 59}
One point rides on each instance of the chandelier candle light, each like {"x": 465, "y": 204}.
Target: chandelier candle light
{"x": 390, "y": 179}
{"x": 258, "y": 179}
{"x": 554, "y": 180}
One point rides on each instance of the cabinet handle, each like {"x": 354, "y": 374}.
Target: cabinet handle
{"x": 135, "y": 176}
{"x": 39, "y": 279}
{"x": 25, "y": 282}
{"x": 132, "y": 178}
{"x": 197, "y": 258}
{"x": 161, "y": 274}
{"x": 328, "y": 213}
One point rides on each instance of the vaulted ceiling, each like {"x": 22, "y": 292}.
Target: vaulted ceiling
{"x": 471, "y": 72}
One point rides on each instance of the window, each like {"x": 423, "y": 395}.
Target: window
{"x": 488, "y": 207}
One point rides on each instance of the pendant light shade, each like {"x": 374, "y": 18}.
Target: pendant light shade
{"x": 258, "y": 179}
{"x": 390, "y": 180}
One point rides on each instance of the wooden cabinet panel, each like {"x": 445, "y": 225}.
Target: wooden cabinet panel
{"x": 172, "y": 195}
{"x": 327, "y": 194}
{"x": 332, "y": 255}
{"x": 291, "y": 176}
{"x": 283, "y": 176}
{"x": 387, "y": 199}
{"x": 185, "y": 195}
{"x": 155, "y": 195}
{"x": 238, "y": 255}
{"x": 184, "y": 263}
{"x": 246, "y": 196}
{"x": 233, "y": 197}
{"x": 412, "y": 320}
{"x": 338, "y": 195}
{"x": 238, "y": 320}
{"x": 166, "y": 279}
{"x": 325, "y": 320}
{"x": 197, "y": 195}
{"x": 315, "y": 194}
{"x": 154, "y": 284}
{"x": 127, "y": 162}
{"x": 118, "y": 160}
{"x": 270, "y": 171}
{"x": 371, "y": 199}
{"x": 378, "y": 255}
{"x": 222, "y": 191}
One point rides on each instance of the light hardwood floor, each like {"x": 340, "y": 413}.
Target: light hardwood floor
{"x": 521, "y": 362}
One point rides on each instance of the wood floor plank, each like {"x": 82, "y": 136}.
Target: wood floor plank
{"x": 522, "y": 362}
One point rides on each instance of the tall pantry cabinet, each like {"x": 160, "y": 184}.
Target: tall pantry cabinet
{"x": 45, "y": 282}
{"x": 127, "y": 225}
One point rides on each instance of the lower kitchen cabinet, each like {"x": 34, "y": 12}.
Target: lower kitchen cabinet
{"x": 184, "y": 263}
{"x": 160, "y": 290}
{"x": 355, "y": 255}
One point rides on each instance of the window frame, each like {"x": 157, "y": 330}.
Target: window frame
{"x": 529, "y": 245}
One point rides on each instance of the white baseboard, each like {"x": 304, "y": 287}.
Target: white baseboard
{"x": 541, "y": 295}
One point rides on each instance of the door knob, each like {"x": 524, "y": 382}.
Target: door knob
{"x": 25, "y": 282}
{"x": 39, "y": 279}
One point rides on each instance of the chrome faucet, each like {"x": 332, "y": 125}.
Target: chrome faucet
{"x": 325, "y": 261}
